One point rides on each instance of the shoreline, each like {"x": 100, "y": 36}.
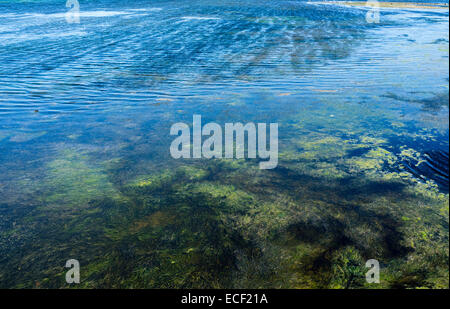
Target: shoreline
{"x": 393, "y": 5}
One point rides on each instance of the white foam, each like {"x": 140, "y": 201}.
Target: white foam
{"x": 8, "y": 15}
{"x": 99, "y": 13}
{"x": 188, "y": 18}
{"x": 146, "y": 10}
{"x": 14, "y": 38}
{"x": 82, "y": 14}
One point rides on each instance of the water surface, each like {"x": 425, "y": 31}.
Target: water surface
{"x": 85, "y": 169}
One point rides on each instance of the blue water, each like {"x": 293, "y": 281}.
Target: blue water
{"x": 110, "y": 87}
{"x": 122, "y": 57}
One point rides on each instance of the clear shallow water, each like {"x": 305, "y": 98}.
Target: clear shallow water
{"x": 85, "y": 112}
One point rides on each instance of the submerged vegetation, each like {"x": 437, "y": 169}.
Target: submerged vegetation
{"x": 310, "y": 223}
{"x": 352, "y": 184}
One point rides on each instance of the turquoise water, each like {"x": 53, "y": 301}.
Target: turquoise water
{"x": 85, "y": 169}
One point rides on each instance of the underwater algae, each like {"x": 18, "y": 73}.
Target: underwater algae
{"x": 208, "y": 224}
{"x": 341, "y": 195}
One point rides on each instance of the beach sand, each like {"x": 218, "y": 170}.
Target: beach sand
{"x": 400, "y": 5}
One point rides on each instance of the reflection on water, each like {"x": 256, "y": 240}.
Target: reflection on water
{"x": 85, "y": 171}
